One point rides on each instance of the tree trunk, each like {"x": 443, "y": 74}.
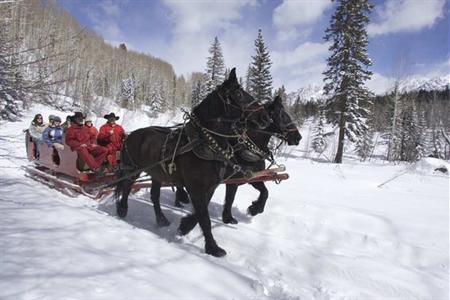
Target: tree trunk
{"x": 394, "y": 124}
{"x": 340, "y": 150}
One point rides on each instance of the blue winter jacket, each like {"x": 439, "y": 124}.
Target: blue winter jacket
{"x": 53, "y": 135}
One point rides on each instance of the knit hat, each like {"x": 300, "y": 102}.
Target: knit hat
{"x": 88, "y": 118}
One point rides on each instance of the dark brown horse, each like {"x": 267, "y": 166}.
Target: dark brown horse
{"x": 281, "y": 126}
{"x": 202, "y": 154}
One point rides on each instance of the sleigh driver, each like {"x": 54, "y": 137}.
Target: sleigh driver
{"x": 111, "y": 135}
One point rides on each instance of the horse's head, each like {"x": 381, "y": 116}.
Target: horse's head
{"x": 240, "y": 105}
{"x": 282, "y": 123}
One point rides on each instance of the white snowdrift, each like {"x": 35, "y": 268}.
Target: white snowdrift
{"x": 431, "y": 165}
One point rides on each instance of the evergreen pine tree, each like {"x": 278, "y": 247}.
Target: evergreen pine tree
{"x": 199, "y": 91}
{"x": 437, "y": 142}
{"x": 259, "y": 77}
{"x": 421, "y": 138}
{"x": 409, "y": 143}
{"x": 297, "y": 111}
{"x": 156, "y": 100}
{"x": 407, "y": 128}
{"x": 347, "y": 97}
{"x": 319, "y": 142}
{"x": 247, "y": 79}
{"x": 364, "y": 144}
{"x": 215, "y": 67}
{"x": 196, "y": 92}
{"x": 282, "y": 93}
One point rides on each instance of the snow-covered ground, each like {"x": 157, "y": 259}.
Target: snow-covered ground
{"x": 329, "y": 232}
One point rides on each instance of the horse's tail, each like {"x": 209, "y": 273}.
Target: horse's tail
{"x": 121, "y": 173}
{"x": 118, "y": 187}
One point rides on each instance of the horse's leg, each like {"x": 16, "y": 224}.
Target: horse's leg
{"x": 257, "y": 206}
{"x": 181, "y": 197}
{"x": 124, "y": 189}
{"x": 200, "y": 202}
{"x": 227, "y": 217}
{"x": 155, "y": 193}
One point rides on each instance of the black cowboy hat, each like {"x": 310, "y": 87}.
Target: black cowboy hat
{"x": 110, "y": 115}
{"x": 77, "y": 115}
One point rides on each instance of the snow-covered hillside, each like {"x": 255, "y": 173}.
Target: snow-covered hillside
{"x": 310, "y": 93}
{"x": 329, "y": 232}
{"x": 414, "y": 84}
{"x": 314, "y": 93}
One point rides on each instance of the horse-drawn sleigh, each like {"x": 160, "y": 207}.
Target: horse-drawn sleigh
{"x": 223, "y": 140}
{"x": 65, "y": 171}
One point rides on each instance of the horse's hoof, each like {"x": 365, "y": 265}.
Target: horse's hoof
{"x": 229, "y": 220}
{"x": 163, "y": 222}
{"x": 122, "y": 211}
{"x": 215, "y": 250}
{"x": 182, "y": 198}
{"x": 186, "y": 225}
{"x": 253, "y": 210}
{"x": 183, "y": 230}
{"x": 180, "y": 232}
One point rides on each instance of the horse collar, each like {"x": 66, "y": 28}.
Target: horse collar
{"x": 251, "y": 146}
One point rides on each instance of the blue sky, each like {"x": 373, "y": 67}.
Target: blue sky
{"x": 406, "y": 37}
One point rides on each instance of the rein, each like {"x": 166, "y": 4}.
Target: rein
{"x": 281, "y": 135}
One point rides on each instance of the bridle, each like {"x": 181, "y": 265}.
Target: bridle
{"x": 284, "y": 129}
{"x": 246, "y": 110}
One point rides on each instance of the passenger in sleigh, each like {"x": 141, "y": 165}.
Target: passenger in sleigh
{"x": 36, "y": 129}
{"x": 78, "y": 139}
{"x": 50, "y": 120}
{"x": 92, "y": 130}
{"x": 53, "y": 134}
{"x": 66, "y": 123}
{"x": 111, "y": 135}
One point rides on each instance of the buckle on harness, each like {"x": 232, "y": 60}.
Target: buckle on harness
{"x": 172, "y": 168}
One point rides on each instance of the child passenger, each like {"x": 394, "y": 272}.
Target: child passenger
{"x": 53, "y": 134}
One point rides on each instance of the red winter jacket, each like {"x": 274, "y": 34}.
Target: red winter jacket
{"x": 111, "y": 135}
{"x": 77, "y": 135}
{"x": 93, "y": 132}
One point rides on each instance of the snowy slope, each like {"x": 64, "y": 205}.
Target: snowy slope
{"x": 415, "y": 84}
{"x": 310, "y": 93}
{"x": 314, "y": 93}
{"x": 329, "y": 232}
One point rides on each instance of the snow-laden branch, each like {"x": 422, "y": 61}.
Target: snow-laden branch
{"x": 447, "y": 139}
